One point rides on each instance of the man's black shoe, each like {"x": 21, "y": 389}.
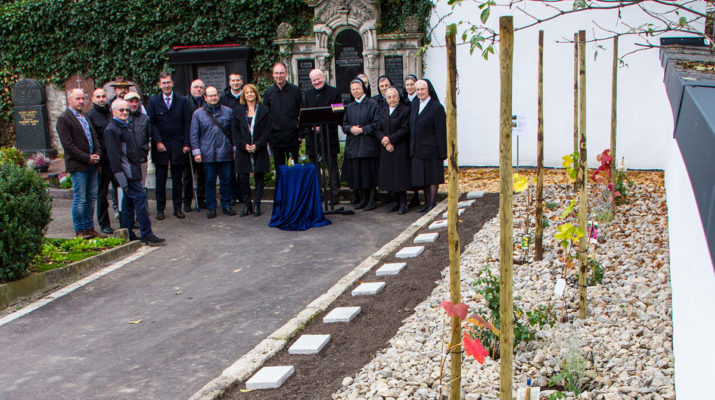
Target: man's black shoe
{"x": 257, "y": 210}
{"x": 187, "y": 207}
{"x": 179, "y": 214}
{"x": 392, "y": 207}
{"x": 402, "y": 210}
{"x": 211, "y": 213}
{"x": 160, "y": 215}
{"x": 228, "y": 211}
{"x": 362, "y": 204}
{"x": 424, "y": 208}
{"x": 153, "y": 240}
{"x": 247, "y": 209}
{"x": 107, "y": 230}
{"x": 203, "y": 205}
{"x": 370, "y": 206}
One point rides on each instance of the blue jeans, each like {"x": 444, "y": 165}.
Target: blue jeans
{"x": 222, "y": 169}
{"x": 134, "y": 202}
{"x": 84, "y": 186}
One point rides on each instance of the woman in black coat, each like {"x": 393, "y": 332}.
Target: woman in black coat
{"x": 428, "y": 142}
{"x": 361, "y": 146}
{"x": 251, "y": 127}
{"x": 393, "y": 132}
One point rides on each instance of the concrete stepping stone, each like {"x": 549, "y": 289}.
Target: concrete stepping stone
{"x": 459, "y": 212}
{"x": 341, "y": 314}
{"x": 476, "y": 194}
{"x": 368, "y": 289}
{"x": 465, "y": 203}
{"x": 390, "y": 269}
{"x": 410, "y": 252}
{"x": 438, "y": 224}
{"x": 309, "y": 344}
{"x": 427, "y": 237}
{"x": 270, "y": 377}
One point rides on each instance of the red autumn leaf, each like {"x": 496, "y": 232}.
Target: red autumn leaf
{"x": 477, "y": 320}
{"x": 458, "y": 310}
{"x": 474, "y": 348}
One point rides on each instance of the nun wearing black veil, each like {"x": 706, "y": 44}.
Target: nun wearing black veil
{"x": 408, "y": 89}
{"x": 383, "y": 83}
{"x": 361, "y": 146}
{"x": 428, "y": 142}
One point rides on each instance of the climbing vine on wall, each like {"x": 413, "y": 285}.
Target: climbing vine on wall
{"x": 394, "y": 13}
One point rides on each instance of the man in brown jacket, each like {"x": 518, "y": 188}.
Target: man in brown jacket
{"x": 82, "y": 149}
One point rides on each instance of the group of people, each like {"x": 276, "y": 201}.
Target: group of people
{"x": 394, "y": 141}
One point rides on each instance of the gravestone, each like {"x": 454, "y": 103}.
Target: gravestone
{"x": 86, "y": 84}
{"x": 393, "y": 70}
{"x": 348, "y": 61}
{"x": 305, "y": 65}
{"x": 30, "y": 118}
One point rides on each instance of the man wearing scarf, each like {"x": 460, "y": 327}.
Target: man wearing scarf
{"x": 126, "y": 155}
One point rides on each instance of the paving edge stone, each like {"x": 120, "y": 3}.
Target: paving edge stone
{"x": 245, "y": 366}
{"x": 25, "y": 288}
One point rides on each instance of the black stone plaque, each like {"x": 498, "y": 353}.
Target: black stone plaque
{"x": 304, "y": 67}
{"x": 348, "y": 61}
{"x": 30, "y": 118}
{"x": 393, "y": 70}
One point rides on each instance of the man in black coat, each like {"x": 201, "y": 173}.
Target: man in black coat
{"x": 323, "y": 95}
{"x": 99, "y": 117}
{"x": 170, "y": 117}
{"x": 82, "y": 154}
{"x": 126, "y": 155}
{"x": 195, "y": 100}
{"x": 284, "y": 101}
{"x": 231, "y": 96}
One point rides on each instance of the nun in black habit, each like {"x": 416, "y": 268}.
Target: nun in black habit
{"x": 361, "y": 146}
{"x": 383, "y": 83}
{"x": 408, "y": 89}
{"x": 393, "y": 132}
{"x": 428, "y": 142}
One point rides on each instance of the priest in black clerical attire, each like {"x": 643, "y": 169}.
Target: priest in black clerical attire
{"x": 323, "y": 95}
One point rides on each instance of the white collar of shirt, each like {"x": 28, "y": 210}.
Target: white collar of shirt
{"x": 170, "y": 97}
{"x": 412, "y": 96}
{"x": 360, "y": 99}
{"x": 392, "y": 109}
{"x": 423, "y": 104}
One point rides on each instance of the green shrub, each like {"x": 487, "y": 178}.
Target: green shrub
{"x": 24, "y": 215}
{"x": 11, "y": 155}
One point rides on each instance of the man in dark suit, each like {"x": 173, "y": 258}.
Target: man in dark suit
{"x": 323, "y": 95}
{"x": 99, "y": 117}
{"x": 283, "y": 100}
{"x": 82, "y": 149}
{"x": 195, "y": 98}
{"x": 170, "y": 117}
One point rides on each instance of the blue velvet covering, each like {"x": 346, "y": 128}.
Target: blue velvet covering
{"x": 296, "y": 206}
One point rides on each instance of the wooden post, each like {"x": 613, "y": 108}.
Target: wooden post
{"x": 539, "y": 235}
{"x": 575, "y": 92}
{"x": 614, "y": 112}
{"x": 506, "y": 223}
{"x": 583, "y": 200}
{"x": 455, "y": 294}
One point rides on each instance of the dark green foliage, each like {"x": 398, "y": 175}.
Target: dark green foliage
{"x": 24, "y": 215}
{"x": 394, "y": 13}
{"x": 11, "y": 155}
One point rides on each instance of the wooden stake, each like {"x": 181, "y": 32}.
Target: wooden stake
{"x": 539, "y": 235}
{"x": 583, "y": 200}
{"x": 506, "y": 284}
{"x": 455, "y": 294}
{"x": 575, "y": 92}
{"x": 614, "y": 112}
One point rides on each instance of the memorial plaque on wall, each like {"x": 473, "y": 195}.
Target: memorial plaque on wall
{"x": 348, "y": 61}
{"x": 213, "y": 75}
{"x": 304, "y": 67}
{"x": 393, "y": 70}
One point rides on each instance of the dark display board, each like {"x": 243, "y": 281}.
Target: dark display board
{"x": 348, "y": 61}
{"x": 305, "y": 65}
{"x": 393, "y": 70}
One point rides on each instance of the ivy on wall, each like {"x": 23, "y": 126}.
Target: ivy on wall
{"x": 52, "y": 40}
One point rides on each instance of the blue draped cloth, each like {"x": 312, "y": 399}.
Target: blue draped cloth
{"x": 297, "y": 203}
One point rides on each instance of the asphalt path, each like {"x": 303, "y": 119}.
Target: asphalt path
{"x": 213, "y": 292}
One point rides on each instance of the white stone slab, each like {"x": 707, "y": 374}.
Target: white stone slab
{"x": 309, "y": 344}
{"x": 438, "y": 224}
{"x": 427, "y": 237}
{"x": 459, "y": 212}
{"x": 475, "y": 194}
{"x": 341, "y": 314}
{"x": 410, "y": 252}
{"x": 270, "y": 377}
{"x": 465, "y": 203}
{"x": 390, "y": 269}
{"x": 368, "y": 289}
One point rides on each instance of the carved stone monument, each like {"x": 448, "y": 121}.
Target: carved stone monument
{"x": 30, "y": 118}
{"x": 346, "y": 43}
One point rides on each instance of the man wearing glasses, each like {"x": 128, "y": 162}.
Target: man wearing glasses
{"x": 82, "y": 149}
{"x": 126, "y": 155}
{"x": 284, "y": 101}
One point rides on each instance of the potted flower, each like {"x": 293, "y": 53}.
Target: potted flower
{"x": 39, "y": 162}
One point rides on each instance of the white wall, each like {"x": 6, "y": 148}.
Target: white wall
{"x": 645, "y": 122}
{"x": 692, "y": 282}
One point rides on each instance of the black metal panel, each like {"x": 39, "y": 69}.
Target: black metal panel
{"x": 186, "y": 62}
{"x": 695, "y": 134}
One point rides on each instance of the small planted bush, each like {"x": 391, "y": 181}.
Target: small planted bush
{"x": 24, "y": 215}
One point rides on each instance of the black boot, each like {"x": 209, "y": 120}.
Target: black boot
{"x": 247, "y": 209}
